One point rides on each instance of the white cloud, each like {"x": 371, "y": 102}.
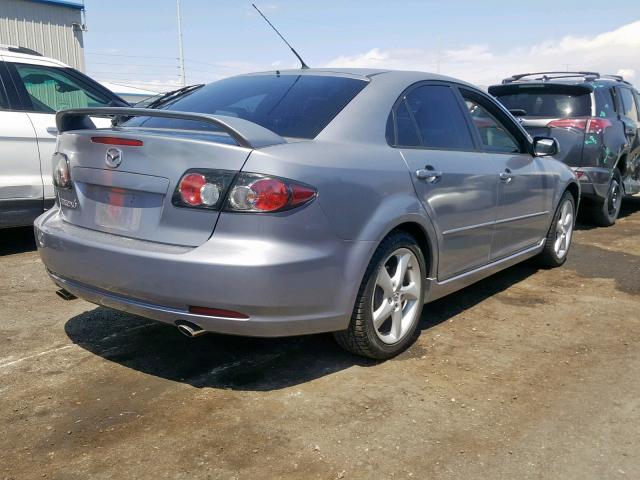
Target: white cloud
{"x": 608, "y": 52}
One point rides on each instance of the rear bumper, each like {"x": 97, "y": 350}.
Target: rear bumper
{"x": 594, "y": 182}
{"x": 285, "y": 289}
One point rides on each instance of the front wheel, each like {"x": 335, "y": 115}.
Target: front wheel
{"x": 389, "y": 302}
{"x": 559, "y": 236}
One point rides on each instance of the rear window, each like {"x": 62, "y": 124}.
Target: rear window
{"x": 545, "y": 102}
{"x": 290, "y": 105}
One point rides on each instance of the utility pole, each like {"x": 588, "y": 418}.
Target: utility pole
{"x": 183, "y": 79}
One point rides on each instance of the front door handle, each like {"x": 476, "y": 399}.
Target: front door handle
{"x": 428, "y": 174}
{"x": 506, "y": 176}
{"x": 52, "y": 131}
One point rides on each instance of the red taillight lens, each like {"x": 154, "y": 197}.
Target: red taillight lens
{"x": 269, "y": 194}
{"x": 61, "y": 173}
{"x": 597, "y": 125}
{"x": 127, "y": 142}
{"x": 202, "y": 188}
{"x": 258, "y": 193}
{"x": 587, "y": 125}
{"x": 301, "y": 194}
{"x": 190, "y": 188}
{"x": 217, "y": 312}
{"x": 575, "y": 123}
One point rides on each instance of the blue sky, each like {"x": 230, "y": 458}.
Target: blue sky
{"x": 479, "y": 41}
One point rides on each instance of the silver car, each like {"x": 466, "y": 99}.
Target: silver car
{"x": 306, "y": 201}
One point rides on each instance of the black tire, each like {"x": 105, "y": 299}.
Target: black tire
{"x": 549, "y": 258}
{"x": 361, "y": 337}
{"x": 605, "y": 212}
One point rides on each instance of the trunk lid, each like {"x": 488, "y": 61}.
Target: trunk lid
{"x": 134, "y": 198}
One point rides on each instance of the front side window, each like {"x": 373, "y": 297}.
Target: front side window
{"x": 493, "y": 134}
{"x": 51, "y": 89}
{"x": 628, "y": 104}
{"x": 439, "y": 118}
{"x": 290, "y": 105}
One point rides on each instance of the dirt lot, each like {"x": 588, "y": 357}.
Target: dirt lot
{"x": 528, "y": 374}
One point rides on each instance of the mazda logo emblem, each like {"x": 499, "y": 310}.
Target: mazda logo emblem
{"x": 113, "y": 157}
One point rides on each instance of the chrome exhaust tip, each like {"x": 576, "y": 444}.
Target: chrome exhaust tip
{"x": 62, "y": 293}
{"x": 189, "y": 329}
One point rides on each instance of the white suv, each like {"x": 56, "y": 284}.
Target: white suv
{"x": 32, "y": 89}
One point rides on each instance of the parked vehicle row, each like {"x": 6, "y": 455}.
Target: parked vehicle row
{"x": 302, "y": 201}
{"x": 596, "y": 119}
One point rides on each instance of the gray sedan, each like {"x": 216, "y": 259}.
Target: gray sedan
{"x": 306, "y": 201}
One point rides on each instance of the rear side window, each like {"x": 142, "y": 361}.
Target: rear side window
{"x": 628, "y": 104}
{"x": 290, "y": 105}
{"x": 547, "y": 103}
{"x": 51, "y": 89}
{"x": 439, "y": 118}
{"x": 605, "y": 102}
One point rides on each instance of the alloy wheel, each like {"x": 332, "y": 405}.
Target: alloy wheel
{"x": 564, "y": 230}
{"x": 395, "y": 297}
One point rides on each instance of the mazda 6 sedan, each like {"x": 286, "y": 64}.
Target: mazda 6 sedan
{"x": 303, "y": 201}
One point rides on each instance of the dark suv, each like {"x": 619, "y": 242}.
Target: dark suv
{"x": 596, "y": 119}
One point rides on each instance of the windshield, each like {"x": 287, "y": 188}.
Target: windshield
{"x": 547, "y": 103}
{"x": 289, "y": 105}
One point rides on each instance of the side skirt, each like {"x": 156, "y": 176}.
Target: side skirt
{"x": 436, "y": 290}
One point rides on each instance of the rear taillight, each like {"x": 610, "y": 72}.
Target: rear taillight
{"x": 61, "y": 171}
{"x": 250, "y": 192}
{"x": 587, "y": 125}
{"x": 201, "y": 188}
{"x": 259, "y": 193}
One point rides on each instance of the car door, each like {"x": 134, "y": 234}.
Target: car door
{"x": 456, "y": 184}
{"x": 45, "y": 90}
{"x": 631, "y": 121}
{"x": 20, "y": 178}
{"x": 524, "y": 190}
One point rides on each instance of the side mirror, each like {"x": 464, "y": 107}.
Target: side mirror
{"x": 545, "y": 146}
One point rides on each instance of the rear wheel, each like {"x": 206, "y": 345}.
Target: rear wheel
{"x": 606, "y": 212}
{"x": 389, "y": 302}
{"x": 558, "y": 240}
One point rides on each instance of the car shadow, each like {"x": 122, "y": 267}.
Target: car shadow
{"x": 248, "y": 364}
{"x": 16, "y": 240}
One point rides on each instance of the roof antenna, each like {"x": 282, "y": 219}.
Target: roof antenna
{"x": 304, "y": 65}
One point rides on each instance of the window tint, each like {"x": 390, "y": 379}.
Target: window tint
{"x": 545, "y": 103}
{"x": 628, "y": 104}
{"x": 407, "y": 133}
{"x": 605, "y": 103}
{"x": 440, "y": 120}
{"x": 289, "y": 105}
{"x": 4, "y": 101}
{"x": 51, "y": 89}
{"x": 493, "y": 134}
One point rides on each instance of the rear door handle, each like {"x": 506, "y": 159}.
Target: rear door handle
{"x": 428, "y": 174}
{"x": 506, "y": 176}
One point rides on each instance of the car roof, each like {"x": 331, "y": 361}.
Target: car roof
{"x": 400, "y": 76}
{"x": 22, "y": 57}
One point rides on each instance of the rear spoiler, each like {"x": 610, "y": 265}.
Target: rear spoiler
{"x": 561, "y": 88}
{"x": 245, "y": 133}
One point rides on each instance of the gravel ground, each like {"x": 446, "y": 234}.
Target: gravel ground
{"x": 530, "y": 374}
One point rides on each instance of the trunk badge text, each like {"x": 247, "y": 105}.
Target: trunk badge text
{"x": 113, "y": 157}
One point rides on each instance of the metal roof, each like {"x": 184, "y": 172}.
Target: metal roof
{"x": 62, "y": 3}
